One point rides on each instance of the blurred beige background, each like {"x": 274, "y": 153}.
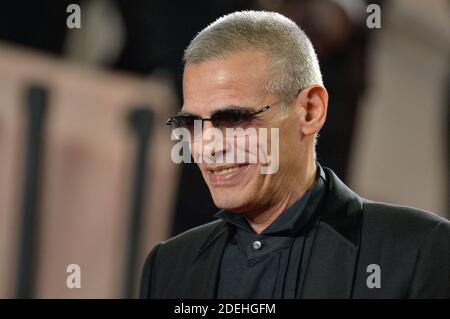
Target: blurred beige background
{"x": 400, "y": 153}
{"x": 89, "y": 153}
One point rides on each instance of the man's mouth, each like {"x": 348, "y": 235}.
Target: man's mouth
{"x": 226, "y": 174}
{"x": 226, "y": 170}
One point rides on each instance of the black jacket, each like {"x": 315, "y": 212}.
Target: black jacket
{"x": 354, "y": 237}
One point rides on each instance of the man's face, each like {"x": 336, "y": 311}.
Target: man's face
{"x": 239, "y": 81}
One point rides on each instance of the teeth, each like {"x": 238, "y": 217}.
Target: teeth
{"x": 226, "y": 170}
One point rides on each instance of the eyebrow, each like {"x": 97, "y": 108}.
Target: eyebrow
{"x": 181, "y": 112}
{"x": 226, "y": 108}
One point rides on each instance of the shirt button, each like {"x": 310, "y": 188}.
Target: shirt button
{"x": 257, "y": 245}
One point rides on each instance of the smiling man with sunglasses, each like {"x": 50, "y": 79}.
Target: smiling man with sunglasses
{"x": 298, "y": 232}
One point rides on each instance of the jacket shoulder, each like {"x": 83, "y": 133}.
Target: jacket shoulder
{"x": 411, "y": 248}
{"x": 400, "y": 229}
{"x": 185, "y": 246}
{"x": 403, "y": 225}
{"x": 174, "y": 253}
{"x": 397, "y": 216}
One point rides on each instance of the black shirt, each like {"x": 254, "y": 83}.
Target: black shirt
{"x": 271, "y": 264}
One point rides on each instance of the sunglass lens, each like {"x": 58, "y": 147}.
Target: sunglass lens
{"x": 232, "y": 118}
{"x": 181, "y": 123}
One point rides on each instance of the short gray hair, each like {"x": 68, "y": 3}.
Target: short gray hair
{"x": 292, "y": 59}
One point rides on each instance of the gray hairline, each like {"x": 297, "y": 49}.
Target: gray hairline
{"x": 292, "y": 60}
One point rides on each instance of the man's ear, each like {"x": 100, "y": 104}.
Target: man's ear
{"x": 314, "y": 103}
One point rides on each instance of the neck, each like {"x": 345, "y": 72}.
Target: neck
{"x": 261, "y": 219}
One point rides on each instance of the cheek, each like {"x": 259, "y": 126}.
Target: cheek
{"x": 246, "y": 149}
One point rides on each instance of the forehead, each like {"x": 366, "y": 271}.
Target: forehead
{"x": 238, "y": 80}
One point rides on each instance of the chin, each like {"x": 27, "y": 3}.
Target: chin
{"x": 233, "y": 195}
{"x": 228, "y": 201}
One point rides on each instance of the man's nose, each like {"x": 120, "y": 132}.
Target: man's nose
{"x": 214, "y": 142}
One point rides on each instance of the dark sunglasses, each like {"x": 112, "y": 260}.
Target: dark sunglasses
{"x": 221, "y": 119}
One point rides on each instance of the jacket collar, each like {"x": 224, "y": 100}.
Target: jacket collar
{"x": 221, "y": 229}
{"x": 342, "y": 208}
{"x": 335, "y": 250}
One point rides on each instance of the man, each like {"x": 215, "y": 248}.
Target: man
{"x": 294, "y": 230}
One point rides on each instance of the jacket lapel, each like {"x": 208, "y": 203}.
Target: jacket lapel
{"x": 332, "y": 267}
{"x": 204, "y": 272}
